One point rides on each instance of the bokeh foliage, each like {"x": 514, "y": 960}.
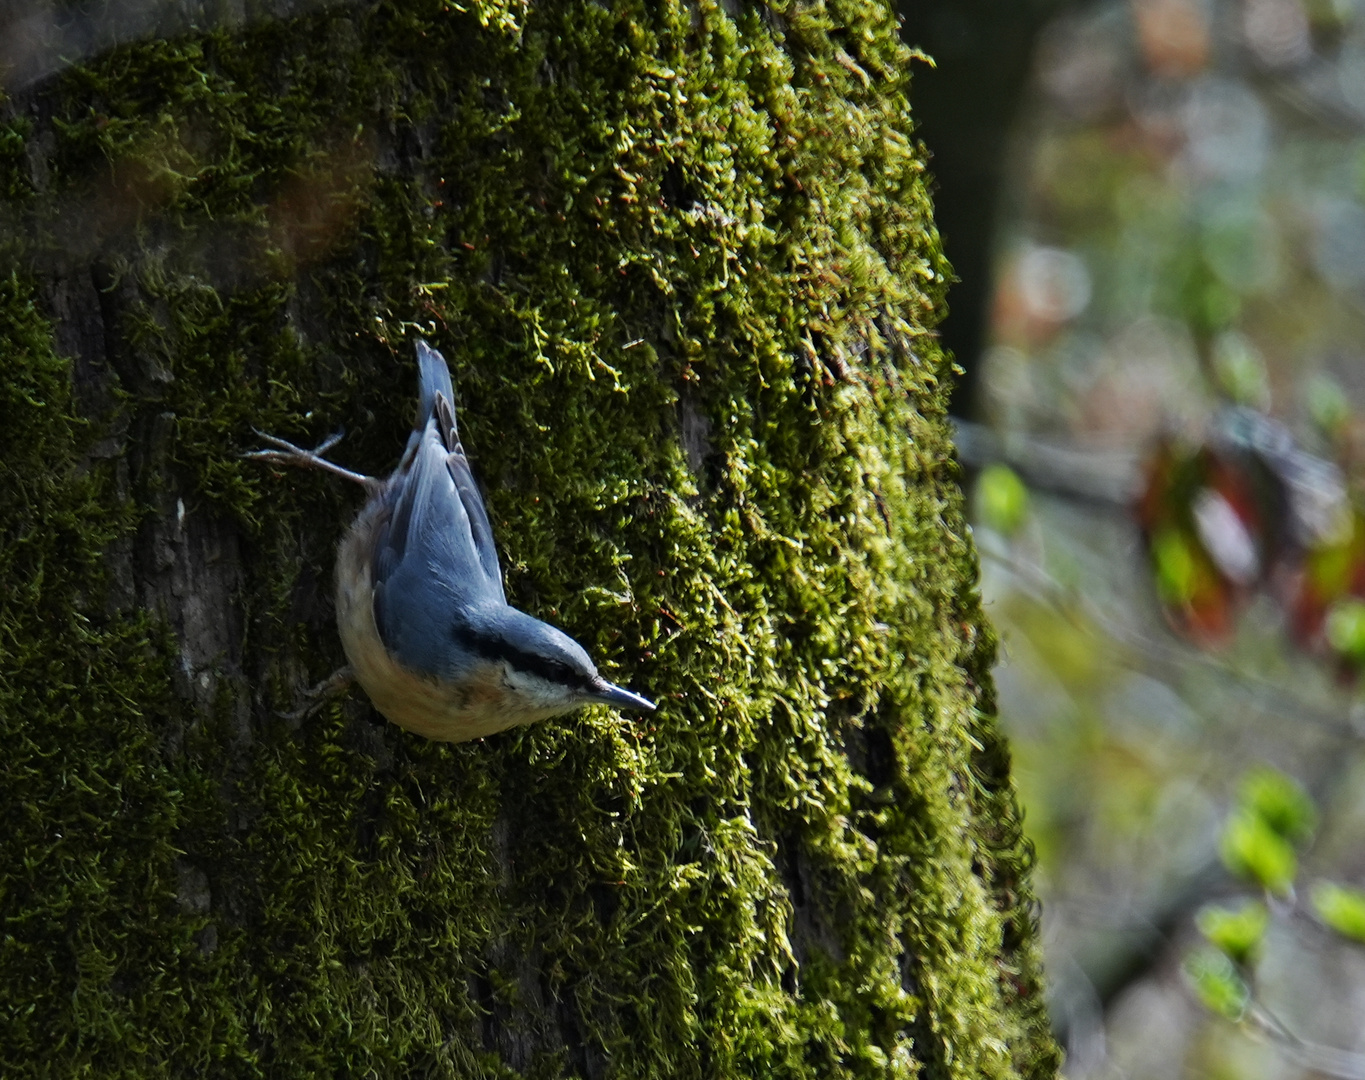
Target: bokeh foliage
{"x": 683, "y": 262}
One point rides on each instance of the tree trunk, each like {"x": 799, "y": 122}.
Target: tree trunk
{"x": 966, "y": 108}
{"x": 682, "y": 262}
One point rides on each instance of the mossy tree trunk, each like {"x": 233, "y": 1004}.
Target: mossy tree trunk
{"x": 682, "y": 260}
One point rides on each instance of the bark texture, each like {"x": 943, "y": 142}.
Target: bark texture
{"x": 683, "y": 263}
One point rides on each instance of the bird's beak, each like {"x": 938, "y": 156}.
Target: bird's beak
{"x": 618, "y": 696}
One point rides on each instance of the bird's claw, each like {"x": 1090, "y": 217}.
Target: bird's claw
{"x": 283, "y": 449}
{"x": 315, "y": 697}
{"x": 286, "y": 453}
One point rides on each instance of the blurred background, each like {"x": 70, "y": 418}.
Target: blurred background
{"x": 1157, "y": 208}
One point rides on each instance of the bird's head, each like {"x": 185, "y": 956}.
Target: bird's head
{"x": 546, "y": 671}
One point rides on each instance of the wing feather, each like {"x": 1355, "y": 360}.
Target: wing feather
{"x": 434, "y": 550}
{"x": 470, "y": 496}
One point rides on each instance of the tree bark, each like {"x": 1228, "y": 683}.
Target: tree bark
{"x": 682, "y": 261}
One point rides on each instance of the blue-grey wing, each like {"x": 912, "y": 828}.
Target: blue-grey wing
{"x": 458, "y": 466}
{"x": 434, "y": 553}
{"x": 436, "y": 398}
{"x": 433, "y": 379}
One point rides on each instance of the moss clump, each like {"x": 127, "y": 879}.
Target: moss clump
{"x": 682, "y": 259}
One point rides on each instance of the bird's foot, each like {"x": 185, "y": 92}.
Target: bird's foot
{"x": 315, "y": 697}
{"x": 286, "y": 453}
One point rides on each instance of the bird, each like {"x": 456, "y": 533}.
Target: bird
{"x": 420, "y": 607}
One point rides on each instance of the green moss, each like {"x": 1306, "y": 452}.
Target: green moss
{"x": 622, "y": 224}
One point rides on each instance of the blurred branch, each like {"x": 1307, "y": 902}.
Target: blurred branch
{"x": 1315, "y": 97}
{"x": 1328, "y": 1060}
{"x": 1149, "y": 928}
{"x": 1110, "y": 478}
{"x": 1162, "y": 658}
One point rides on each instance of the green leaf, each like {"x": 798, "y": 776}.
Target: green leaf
{"x": 1176, "y": 571}
{"x": 1238, "y": 932}
{"x": 1342, "y": 908}
{"x": 1216, "y": 982}
{"x": 1253, "y": 850}
{"x": 1345, "y": 628}
{"x": 1240, "y": 370}
{"x": 1002, "y": 500}
{"x": 1328, "y": 406}
{"x": 1280, "y": 802}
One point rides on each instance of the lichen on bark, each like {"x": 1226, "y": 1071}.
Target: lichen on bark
{"x": 682, "y": 259}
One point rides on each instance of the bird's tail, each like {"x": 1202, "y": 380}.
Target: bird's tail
{"x": 433, "y": 379}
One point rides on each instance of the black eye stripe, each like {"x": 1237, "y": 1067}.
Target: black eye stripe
{"x": 492, "y": 647}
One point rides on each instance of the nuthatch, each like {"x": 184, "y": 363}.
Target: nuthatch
{"x": 420, "y": 606}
